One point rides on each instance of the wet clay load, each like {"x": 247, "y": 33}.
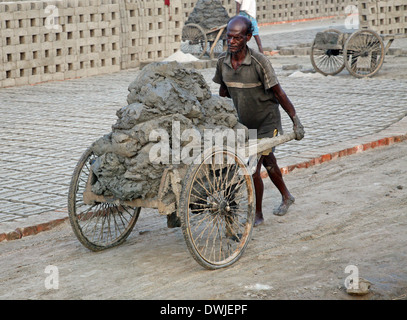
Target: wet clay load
{"x": 163, "y": 94}
{"x": 208, "y": 14}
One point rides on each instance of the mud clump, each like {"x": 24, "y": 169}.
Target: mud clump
{"x": 169, "y": 107}
{"x": 208, "y": 14}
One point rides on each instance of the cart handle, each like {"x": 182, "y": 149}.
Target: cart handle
{"x": 216, "y": 41}
{"x": 267, "y": 144}
{"x": 217, "y": 28}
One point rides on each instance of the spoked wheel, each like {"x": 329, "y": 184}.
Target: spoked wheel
{"x": 328, "y": 62}
{"x": 97, "y": 225}
{"x": 194, "y": 40}
{"x": 364, "y": 53}
{"x": 217, "y": 209}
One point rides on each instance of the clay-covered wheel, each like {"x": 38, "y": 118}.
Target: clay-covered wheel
{"x": 364, "y": 53}
{"x": 328, "y": 62}
{"x": 217, "y": 206}
{"x": 97, "y": 225}
{"x": 194, "y": 40}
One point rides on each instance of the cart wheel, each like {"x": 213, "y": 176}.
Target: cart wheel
{"x": 217, "y": 209}
{"x": 328, "y": 62}
{"x": 194, "y": 40}
{"x": 100, "y": 225}
{"x": 364, "y": 53}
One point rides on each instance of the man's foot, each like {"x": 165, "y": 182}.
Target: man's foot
{"x": 283, "y": 208}
{"x": 258, "y": 219}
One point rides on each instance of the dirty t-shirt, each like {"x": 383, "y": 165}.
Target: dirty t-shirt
{"x": 248, "y": 86}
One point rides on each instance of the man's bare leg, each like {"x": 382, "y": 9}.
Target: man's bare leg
{"x": 259, "y": 189}
{"x": 270, "y": 163}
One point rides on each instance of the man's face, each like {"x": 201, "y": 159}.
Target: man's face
{"x": 236, "y": 37}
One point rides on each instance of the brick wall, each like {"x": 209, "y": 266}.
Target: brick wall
{"x": 150, "y": 30}
{"x": 90, "y": 37}
{"x": 82, "y": 41}
{"x": 269, "y": 11}
{"x": 384, "y": 17}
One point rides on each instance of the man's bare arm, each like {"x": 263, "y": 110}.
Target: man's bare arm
{"x": 284, "y": 101}
{"x": 223, "y": 90}
{"x": 288, "y": 107}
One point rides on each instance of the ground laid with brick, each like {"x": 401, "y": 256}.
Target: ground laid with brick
{"x": 46, "y": 127}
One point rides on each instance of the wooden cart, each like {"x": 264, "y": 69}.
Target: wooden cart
{"x": 361, "y": 53}
{"x": 213, "y": 200}
{"x": 199, "y": 41}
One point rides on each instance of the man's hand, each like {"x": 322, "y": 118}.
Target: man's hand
{"x": 298, "y": 128}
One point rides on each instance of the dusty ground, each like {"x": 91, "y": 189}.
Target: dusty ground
{"x": 350, "y": 211}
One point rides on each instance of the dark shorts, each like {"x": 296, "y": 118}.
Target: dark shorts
{"x": 266, "y": 153}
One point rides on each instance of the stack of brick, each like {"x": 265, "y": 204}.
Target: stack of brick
{"x": 384, "y": 17}
{"x": 57, "y": 40}
{"x": 274, "y": 11}
{"x": 151, "y": 30}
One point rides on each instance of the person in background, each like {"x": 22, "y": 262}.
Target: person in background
{"x": 247, "y": 8}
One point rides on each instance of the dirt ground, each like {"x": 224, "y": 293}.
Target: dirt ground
{"x": 348, "y": 212}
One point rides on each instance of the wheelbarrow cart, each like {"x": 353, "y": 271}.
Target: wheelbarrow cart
{"x": 199, "y": 41}
{"x": 361, "y": 53}
{"x": 213, "y": 199}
